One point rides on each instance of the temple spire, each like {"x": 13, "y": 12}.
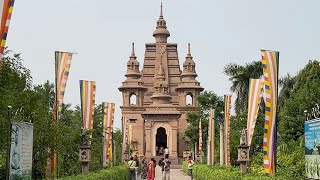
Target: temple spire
{"x": 132, "y": 53}
{"x": 161, "y": 12}
{"x": 133, "y": 71}
{"x": 161, "y": 33}
{"x": 189, "y": 51}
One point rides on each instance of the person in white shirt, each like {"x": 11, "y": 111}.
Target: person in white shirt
{"x": 132, "y": 168}
{"x": 166, "y": 151}
{"x": 190, "y": 165}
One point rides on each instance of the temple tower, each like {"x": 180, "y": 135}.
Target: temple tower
{"x": 159, "y": 115}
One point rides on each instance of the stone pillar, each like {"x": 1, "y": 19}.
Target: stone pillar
{"x": 174, "y": 142}
{"x": 148, "y": 141}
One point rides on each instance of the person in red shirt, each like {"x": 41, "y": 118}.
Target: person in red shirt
{"x": 151, "y": 169}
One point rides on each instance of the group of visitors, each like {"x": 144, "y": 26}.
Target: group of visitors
{"x": 148, "y": 168}
{"x": 133, "y": 167}
{"x": 165, "y": 163}
{"x": 160, "y": 151}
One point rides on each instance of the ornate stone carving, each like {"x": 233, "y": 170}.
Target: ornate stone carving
{"x": 84, "y": 155}
{"x": 161, "y": 49}
{"x": 243, "y": 153}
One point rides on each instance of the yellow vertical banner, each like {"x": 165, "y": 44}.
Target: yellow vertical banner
{"x": 87, "y": 95}
{"x": 108, "y": 120}
{"x": 200, "y": 138}
{"x": 211, "y": 139}
{"x": 270, "y": 64}
{"x": 255, "y": 95}
{"x": 227, "y": 109}
{"x": 62, "y": 69}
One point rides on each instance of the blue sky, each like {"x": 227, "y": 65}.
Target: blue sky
{"x": 101, "y": 32}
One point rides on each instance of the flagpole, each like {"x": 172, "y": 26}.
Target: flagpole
{"x": 9, "y": 141}
{"x": 54, "y": 125}
{"x": 276, "y": 124}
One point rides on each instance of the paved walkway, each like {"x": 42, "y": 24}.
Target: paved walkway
{"x": 175, "y": 174}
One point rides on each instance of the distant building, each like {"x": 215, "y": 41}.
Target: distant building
{"x": 157, "y": 99}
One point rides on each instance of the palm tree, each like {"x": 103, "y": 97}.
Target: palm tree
{"x": 240, "y": 76}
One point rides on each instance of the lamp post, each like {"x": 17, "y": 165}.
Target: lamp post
{"x": 243, "y": 152}
{"x": 85, "y": 153}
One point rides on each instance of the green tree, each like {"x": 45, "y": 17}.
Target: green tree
{"x": 206, "y": 101}
{"x": 240, "y": 75}
{"x": 117, "y": 136}
{"x": 286, "y": 84}
{"x": 68, "y": 141}
{"x": 304, "y": 95}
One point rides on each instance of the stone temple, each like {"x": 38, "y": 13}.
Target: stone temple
{"x": 156, "y": 99}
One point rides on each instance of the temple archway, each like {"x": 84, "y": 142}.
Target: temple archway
{"x": 161, "y": 139}
{"x": 153, "y": 138}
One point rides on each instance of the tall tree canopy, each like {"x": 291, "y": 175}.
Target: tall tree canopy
{"x": 206, "y": 100}
{"x": 240, "y": 75}
{"x": 303, "y": 94}
{"x": 35, "y": 102}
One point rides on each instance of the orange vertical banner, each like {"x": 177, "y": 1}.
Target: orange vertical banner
{"x": 6, "y": 8}
{"x": 270, "y": 64}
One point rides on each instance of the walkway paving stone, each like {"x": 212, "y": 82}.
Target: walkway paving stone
{"x": 175, "y": 174}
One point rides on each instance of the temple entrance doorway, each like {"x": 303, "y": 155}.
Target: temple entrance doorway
{"x": 161, "y": 141}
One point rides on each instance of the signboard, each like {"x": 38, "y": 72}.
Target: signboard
{"x": 312, "y": 148}
{"x": 21, "y": 151}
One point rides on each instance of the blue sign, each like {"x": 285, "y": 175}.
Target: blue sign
{"x": 312, "y": 148}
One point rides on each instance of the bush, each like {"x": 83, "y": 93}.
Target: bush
{"x": 206, "y": 172}
{"x": 113, "y": 173}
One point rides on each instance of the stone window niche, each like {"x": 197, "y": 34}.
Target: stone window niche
{"x": 133, "y": 99}
{"x": 189, "y": 99}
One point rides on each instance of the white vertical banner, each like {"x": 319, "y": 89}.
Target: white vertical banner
{"x": 21, "y": 150}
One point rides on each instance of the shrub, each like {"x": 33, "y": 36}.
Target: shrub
{"x": 206, "y": 172}
{"x": 113, "y": 173}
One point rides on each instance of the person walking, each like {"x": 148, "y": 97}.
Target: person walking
{"x": 136, "y": 159}
{"x": 132, "y": 168}
{"x": 166, "y": 165}
{"x": 161, "y": 166}
{"x": 190, "y": 166}
{"x": 151, "y": 170}
{"x": 144, "y": 170}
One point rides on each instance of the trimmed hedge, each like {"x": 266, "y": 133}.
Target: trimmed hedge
{"x": 112, "y": 173}
{"x": 206, "y": 172}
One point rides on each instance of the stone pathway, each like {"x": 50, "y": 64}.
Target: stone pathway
{"x": 175, "y": 174}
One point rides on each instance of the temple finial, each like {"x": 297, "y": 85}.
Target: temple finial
{"x": 189, "y": 51}
{"x": 161, "y": 13}
{"x": 132, "y": 53}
